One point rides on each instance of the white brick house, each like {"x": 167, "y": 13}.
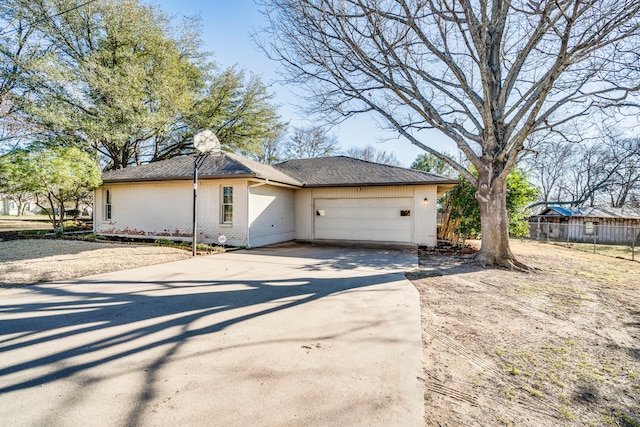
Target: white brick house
{"x": 327, "y": 199}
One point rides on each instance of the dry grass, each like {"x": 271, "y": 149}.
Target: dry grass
{"x": 622, "y": 251}
{"x": 24, "y": 262}
{"x": 39, "y": 222}
{"x": 558, "y": 346}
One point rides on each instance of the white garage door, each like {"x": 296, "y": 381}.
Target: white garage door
{"x": 380, "y": 219}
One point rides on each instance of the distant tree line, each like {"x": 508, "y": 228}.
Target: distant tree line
{"x": 601, "y": 173}
{"x": 316, "y": 141}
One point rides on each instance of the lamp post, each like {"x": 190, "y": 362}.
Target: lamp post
{"x": 207, "y": 144}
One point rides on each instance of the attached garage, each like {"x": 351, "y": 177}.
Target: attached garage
{"x": 349, "y": 200}
{"x": 372, "y": 219}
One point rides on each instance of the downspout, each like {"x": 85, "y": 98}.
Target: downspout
{"x": 249, "y": 187}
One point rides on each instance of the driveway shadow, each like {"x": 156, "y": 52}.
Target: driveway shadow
{"x": 96, "y": 319}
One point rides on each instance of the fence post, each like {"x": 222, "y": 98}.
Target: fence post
{"x": 548, "y": 232}
{"x": 633, "y": 245}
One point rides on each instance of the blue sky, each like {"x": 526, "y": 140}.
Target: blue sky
{"x": 227, "y": 26}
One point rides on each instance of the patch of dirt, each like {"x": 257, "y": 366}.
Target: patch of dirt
{"x": 556, "y": 346}
{"x": 24, "y": 262}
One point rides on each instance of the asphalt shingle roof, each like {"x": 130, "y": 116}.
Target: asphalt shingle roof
{"x": 342, "y": 171}
{"x": 228, "y": 165}
{"x": 338, "y": 171}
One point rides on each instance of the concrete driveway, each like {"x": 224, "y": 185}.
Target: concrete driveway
{"x": 287, "y": 336}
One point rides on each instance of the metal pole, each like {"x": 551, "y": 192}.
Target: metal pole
{"x": 633, "y": 245}
{"x": 195, "y": 203}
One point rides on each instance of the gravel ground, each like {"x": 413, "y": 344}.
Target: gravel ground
{"x": 24, "y": 262}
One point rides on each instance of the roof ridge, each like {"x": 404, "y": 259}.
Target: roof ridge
{"x": 344, "y": 170}
{"x": 369, "y": 162}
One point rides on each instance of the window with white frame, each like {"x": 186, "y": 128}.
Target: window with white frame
{"x": 107, "y": 205}
{"x": 227, "y": 205}
{"x": 590, "y": 227}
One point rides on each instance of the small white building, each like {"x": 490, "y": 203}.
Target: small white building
{"x": 331, "y": 199}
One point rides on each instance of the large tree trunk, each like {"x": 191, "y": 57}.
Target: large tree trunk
{"x": 494, "y": 216}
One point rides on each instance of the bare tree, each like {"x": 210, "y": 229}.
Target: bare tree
{"x": 588, "y": 173}
{"x": 271, "y": 150}
{"x": 624, "y": 184}
{"x": 307, "y": 143}
{"x": 605, "y": 173}
{"x": 549, "y": 167}
{"x": 429, "y": 163}
{"x": 371, "y": 154}
{"x": 488, "y": 74}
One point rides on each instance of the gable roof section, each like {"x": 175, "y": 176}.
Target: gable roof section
{"x": 338, "y": 171}
{"x": 228, "y": 165}
{"x": 591, "y": 212}
{"x": 342, "y": 171}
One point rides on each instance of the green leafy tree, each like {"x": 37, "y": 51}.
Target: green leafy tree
{"x": 19, "y": 49}
{"x": 429, "y": 163}
{"x": 237, "y": 108}
{"x": 59, "y": 176}
{"x": 120, "y": 80}
{"x": 16, "y": 170}
{"x": 464, "y": 210}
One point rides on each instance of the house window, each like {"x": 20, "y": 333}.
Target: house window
{"x": 107, "y": 205}
{"x": 590, "y": 227}
{"x": 227, "y": 205}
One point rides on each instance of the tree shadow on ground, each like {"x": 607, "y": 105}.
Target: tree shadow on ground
{"x": 435, "y": 265}
{"x": 97, "y": 320}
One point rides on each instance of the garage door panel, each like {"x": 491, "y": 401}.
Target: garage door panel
{"x": 380, "y": 202}
{"x": 376, "y": 219}
{"x": 373, "y": 214}
{"x": 362, "y": 226}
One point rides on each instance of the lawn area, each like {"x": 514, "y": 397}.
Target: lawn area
{"x": 24, "y": 262}
{"x": 27, "y": 222}
{"x": 559, "y": 345}
{"x": 623, "y": 251}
